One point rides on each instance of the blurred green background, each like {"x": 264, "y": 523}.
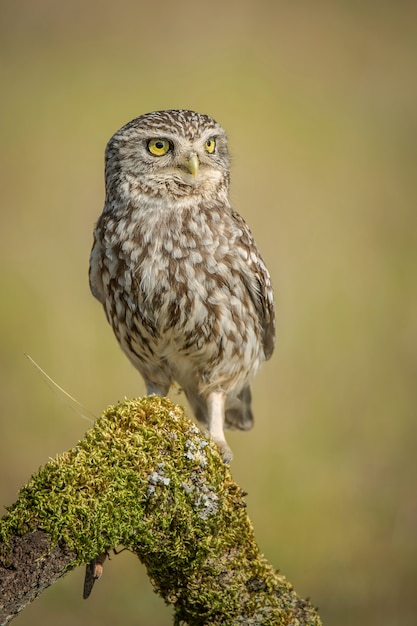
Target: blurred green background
{"x": 319, "y": 101}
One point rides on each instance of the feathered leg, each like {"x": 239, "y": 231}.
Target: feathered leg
{"x": 215, "y": 408}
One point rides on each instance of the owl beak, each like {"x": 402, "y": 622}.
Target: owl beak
{"x": 192, "y": 164}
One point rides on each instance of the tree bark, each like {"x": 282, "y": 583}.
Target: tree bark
{"x": 147, "y": 478}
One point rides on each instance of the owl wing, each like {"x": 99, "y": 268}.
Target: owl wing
{"x": 258, "y": 284}
{"x": 96, "y": 266}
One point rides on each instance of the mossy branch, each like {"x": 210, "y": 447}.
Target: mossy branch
{"x": 147, "y": 478}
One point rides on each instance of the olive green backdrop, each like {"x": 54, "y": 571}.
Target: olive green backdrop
{"x": 319, "y": 101}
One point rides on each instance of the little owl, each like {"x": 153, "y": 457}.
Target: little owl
{"x": 177, "y": 270}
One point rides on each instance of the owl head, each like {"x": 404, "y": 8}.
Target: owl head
{"x": 175, "y": 152}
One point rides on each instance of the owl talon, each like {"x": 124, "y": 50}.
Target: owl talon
{"x": 225, "y": 451}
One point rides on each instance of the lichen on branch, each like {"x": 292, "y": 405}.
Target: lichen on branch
{"x": 147, "y": 478}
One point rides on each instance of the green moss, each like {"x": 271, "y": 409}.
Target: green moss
{"x": 105, "y": 491}
{"x": 147, "y": 478}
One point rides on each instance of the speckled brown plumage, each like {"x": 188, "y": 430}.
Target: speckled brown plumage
{"x": 177, "y": 270}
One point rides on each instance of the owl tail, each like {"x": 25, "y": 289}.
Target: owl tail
{"x": 239, "y": 412}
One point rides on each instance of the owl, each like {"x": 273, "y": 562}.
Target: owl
{"x": 177, "y": 271}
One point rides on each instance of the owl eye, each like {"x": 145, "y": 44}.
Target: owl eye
{"x": 210, "y": 145}
{"x": 159, "y": 147}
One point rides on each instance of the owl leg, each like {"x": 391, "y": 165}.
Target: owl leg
{"x": 215, "y": 407}
{"x": 238, "y": 410}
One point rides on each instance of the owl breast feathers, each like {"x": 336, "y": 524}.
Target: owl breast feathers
{"x": 177, "y": 270}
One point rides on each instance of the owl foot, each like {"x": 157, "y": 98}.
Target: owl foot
{"x": 225, "y": 451}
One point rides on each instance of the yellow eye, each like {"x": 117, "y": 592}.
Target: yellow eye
{"x": 159, "y": 147}
{"x": 210, "y": 145}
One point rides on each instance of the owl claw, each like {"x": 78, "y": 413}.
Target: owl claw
{"x": 225, "y": 452}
